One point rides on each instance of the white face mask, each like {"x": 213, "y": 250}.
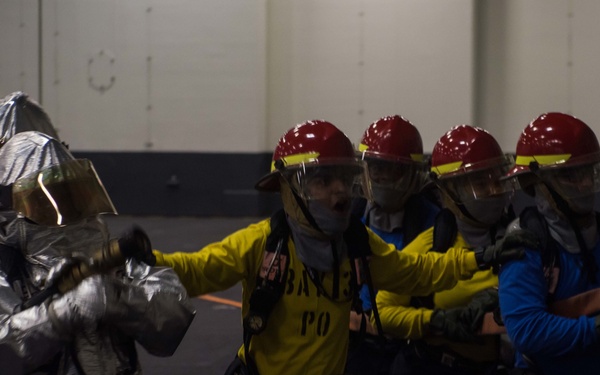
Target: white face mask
{"x": 487, "y": 211}
{"x": 331, "y": 223}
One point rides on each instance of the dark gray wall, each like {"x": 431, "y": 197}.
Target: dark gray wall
{"x": 184, "y": 184}
{"x": 195, "y": 184}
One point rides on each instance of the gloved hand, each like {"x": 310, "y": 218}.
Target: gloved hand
{"x": 462, "y": 323}
{"x": 453, "y": 324}
{"x": 134, "y": 243}
{"x": 482, "y": 302}
{"x": 507, "y": 249}
{"x": 94, "y": 300}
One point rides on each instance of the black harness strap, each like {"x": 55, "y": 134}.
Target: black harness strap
{"x": 357, "y": 241}
{"x": 412, "y": 225}
{"x": 270, "y": 284}
{"x": 445, "y": 231}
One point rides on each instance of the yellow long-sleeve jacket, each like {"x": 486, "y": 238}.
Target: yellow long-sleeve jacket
{"x": 307, "y": 333}
{"x": 400, "y": 319}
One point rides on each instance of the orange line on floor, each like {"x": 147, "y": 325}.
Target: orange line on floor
{"x": 223, "y": 301}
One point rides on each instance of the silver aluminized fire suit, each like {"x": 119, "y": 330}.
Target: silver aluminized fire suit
{"x": 91, "y": 329}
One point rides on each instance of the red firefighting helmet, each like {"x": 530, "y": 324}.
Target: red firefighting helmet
{"x": 555, "y": 140}
{"x": 393, "y": 150}
{"x": 392, "y": 138}
{"x": 312, "y": 143}
{"x": 561, "y": 150}
{"x": 468, "y": 163}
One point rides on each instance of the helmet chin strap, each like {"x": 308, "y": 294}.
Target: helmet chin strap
{"x": 279, "y": 165}
{"x": 307, "y": 215}
{"x": 293, "y": 201}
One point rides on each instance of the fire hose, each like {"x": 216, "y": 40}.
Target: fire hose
{"x": 134, "y": 244}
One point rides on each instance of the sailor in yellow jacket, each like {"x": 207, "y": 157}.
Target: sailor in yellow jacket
{"x": 316, "y": 171}
{"x": 468, "y": 164}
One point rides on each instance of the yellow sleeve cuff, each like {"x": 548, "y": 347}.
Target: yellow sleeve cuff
{"x": 160, "y": 261}
{"x": 471, "y": 261}
{"x": 427, "y": 316}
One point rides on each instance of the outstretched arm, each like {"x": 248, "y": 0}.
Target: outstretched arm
{"x": 410, "y": 273}
{"x": 219, "y": 265}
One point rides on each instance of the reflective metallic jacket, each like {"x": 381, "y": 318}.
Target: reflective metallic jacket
{"x": 159, "y": 311}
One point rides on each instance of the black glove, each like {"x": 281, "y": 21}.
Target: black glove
{"x": 454, "y": 324}
{"x": 134, "y": 243}
{"x": 462, "y": 323}
{"x": 483, "y": 302}
{"x": 507, "y": 249}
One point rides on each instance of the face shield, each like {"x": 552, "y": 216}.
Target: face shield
{"x": 573, "y": 182}
{"x": 399, "y": 176}
{"x": 61, "y": 194}
{"x": 393, "y": 182}
{"x": 326, "y": 190}
{"x": 576, "y": 180}
{"x": 321, "y": 181}
{"x": 577, "y": 185}
{"x": 475, "y": 185}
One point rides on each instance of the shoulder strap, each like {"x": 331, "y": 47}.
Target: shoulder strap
{"x": 444, "y": 235}
{"x": 444, "y": 231}
{"x": 279, "y": 230}
{"x": 357, "y": 242}
{"x": 357, "y": 239}
{"x": 358, "y": 207}
{"x": 412, "y": 224}
{"x": 531, "y": 219}
{"x": 270, "y": 283}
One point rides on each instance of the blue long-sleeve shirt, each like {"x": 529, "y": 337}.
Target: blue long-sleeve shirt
{"x": 556, "y": 344}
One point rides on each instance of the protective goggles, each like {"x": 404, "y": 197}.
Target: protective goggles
{"x": 61, "y": 194}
